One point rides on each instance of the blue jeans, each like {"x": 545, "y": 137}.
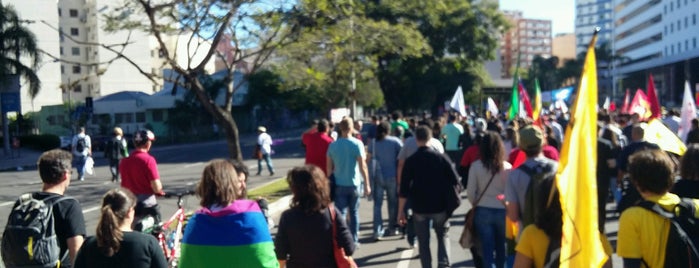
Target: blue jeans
{"x": 490, "y": 230}
{"x": 440, "y": 224}
{"x": 378, "y": 188}
{"x": 347, "y": 197}
{"x": 80, "y": 165}
{"x": 268, "y": 160}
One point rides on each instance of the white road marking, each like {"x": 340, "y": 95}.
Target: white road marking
{"x": 7, "y": 203}
{"x": 90, "y": 209}
{"x": 193, "y": 165}
{"x": 405, "y": 257}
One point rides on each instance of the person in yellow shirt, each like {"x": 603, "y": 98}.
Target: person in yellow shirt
{"x": 643, "y": 234}
{"x": 533, "y": 245}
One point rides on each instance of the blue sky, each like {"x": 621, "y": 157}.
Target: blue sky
{"x": 561, "y": 12}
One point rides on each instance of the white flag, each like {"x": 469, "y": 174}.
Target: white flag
{"x": 492, "y": 108}
{"x": 689, "y": 112}
{"x": 606, "y": 104}
{"x": 457, "y": 102}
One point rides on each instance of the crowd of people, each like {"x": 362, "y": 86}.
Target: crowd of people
{"x": 416, "y": 164}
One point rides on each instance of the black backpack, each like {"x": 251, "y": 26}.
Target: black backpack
{"x": 80, "y": 145}
{"x": 29, "y": 238}
{"x": 537, "y": 174}
{"x": 682, "y": 248}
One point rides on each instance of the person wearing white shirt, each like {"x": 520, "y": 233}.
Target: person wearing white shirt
{"x": 264, "y": 140}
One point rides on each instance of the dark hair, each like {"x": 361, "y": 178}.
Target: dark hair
{"x": 217, "y": 186}
{"x": 423, "y": 133}
{"x": 651, "y": 171}
{"x": 611, "y": 136}
{"x": 322, "y": 125}
{"x": 53, "y": 165}
{"x": 512, "y": 134}
{"x": 492, "y": 152}
{"x": 382, "y": 130}
{"x": 695, "y": 122}
{"x": 240, "y": 167}
{"x": 550, "y": 216}
{"x": 396, "y": 115}
{"x": 310, "y": 188}
{"x": 689, "y": 165}
{"x": 116, "y": 205}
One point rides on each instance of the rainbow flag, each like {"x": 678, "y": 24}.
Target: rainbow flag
{"x": 235, "y": 236}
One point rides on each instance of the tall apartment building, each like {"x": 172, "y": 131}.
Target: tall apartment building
{"x": 588, "y": 15}
{"x": 39, "y": 17}
{"x": 89, "y": 69}
{"x": 527, "y": 38}
{"x": 659, "y": 38}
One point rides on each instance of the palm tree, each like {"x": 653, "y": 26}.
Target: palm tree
{"x": 15, "y": 41}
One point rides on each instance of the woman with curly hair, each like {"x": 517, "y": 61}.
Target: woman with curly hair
{"x": 114, "y": 243}
{"x": 310, "y": 214}
{"x": 486, "y": 187}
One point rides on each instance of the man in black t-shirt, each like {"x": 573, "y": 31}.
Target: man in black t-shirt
{"x": 55, "y": 172}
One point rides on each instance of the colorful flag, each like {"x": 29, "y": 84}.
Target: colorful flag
{"x": 653, "y": 99}
{"x": 576, "y": 175}
{"x": 627, "y": 99}
{"x": 658, "y": 133}
{"x": 457, "y": 102}
{"x": 514, "y": 99}
{"x": 492, "y": 107}
{"x": 537, "y": 101}
{"x": 524, "y": 97}
{"x": 689, "y": 112}
{"x": 640, "y": 105}
{"x": 236, "y": 233}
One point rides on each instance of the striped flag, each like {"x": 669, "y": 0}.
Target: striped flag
{"x": 235, "y": 234}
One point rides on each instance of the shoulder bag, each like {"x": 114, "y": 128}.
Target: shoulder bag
{"x": 468, "y": 234}
{"x": 341, "y": 259}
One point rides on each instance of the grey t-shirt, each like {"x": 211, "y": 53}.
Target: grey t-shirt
{"x": 410, "y": 147}
{"x": 518, "y": 181}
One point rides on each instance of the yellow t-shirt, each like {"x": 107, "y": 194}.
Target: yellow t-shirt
{"x": 643, "y": 234}
{"x": 534, "y": 243}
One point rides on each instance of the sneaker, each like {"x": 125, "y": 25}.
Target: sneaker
{"x": 81, "y": 178}
{"x": 391, "y": 232}
{"x": 271, "y": 173}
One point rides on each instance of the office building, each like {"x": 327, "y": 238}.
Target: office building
{"x": 590, "y": 14}
{"x": 658, "y": 38}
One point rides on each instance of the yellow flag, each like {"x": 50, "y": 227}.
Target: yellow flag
{"x": 576, "y": 175}
{"x": 656, "y": 132}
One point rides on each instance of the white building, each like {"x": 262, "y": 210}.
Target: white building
{"x": 39, "y": 17}
{"x": 658, "y": 38}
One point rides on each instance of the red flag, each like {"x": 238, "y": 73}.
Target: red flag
{"x": 627, "y": 99}
{"x": 653, "y": 99}
{"x": 640, "y": 105}
{"x": 612, "y": 107}
{"x": 524, "y": 97}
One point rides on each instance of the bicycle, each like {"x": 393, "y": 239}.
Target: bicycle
{"x": 169, "y": 238}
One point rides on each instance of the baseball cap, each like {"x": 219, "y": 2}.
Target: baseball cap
{"x": 143, "y": 135}
{"x": 261, "y": 129}
{"x": 530, "y": 138}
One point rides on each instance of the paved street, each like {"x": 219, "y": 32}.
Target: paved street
{"x": 180, "y": 167}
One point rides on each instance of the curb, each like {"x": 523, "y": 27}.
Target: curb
{"x": 18, "y": 168}
{"x": 280, "y": 205}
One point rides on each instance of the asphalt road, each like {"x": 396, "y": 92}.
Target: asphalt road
{"x": 180, "y": 167}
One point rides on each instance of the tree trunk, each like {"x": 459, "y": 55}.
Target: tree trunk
{"x": 232, "y": 137}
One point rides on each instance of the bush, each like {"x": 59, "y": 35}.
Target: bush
{"x": 42, "y": 142}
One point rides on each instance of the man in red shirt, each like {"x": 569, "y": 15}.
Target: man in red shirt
{"x": 139, "y": 173}
{"x": 317, "y": 144}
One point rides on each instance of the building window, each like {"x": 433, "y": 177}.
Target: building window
{"x": 75, "y": 51}
{"x": 686, "y": 44}
{"x": 672, "y": 27}
{"x": 76, "y": 69}
{"x": 694, "y": 19}
{"x": 73, "y": 13}
{"x": 74, "y": 31}
{"x": 140, "y": 117}
{"x": 694, "y": 42}
{"x": 61, "y": 50}
{"x": 686, "y": 22}
{"x": 665, "y": 30}
{"x": 672, "y": 49}
{"x": 672, "y": 6}
{"x": 665, "y": 50}
{"x": 59, "y": 12}
{"x": 158, "y": 115}
{"x": 679, "y": 25}
{"x": 78, "y": 88}
{"x": 63, "y": 69}
{"x": 679, "y": 47}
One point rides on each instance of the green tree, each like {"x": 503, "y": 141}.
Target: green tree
{"x": 236, "y": 32}
{"x": 341, "y": 43}
{"x": 544, "y": 69}
{"x": 15, "y": 41}
{"x": 462, "y": 34}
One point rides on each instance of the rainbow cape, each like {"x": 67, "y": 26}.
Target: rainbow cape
{"x": 235, "y": 236}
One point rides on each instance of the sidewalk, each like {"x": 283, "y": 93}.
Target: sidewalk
{"x": 25, "y": 160}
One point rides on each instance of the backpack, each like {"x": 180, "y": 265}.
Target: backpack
{"x": 29, "y": 238}
{"x": 115, "y": 149}
{"x": 537, "y": 174}
{"x": 682, "y": 248}
{"x": 80, "y": 145}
